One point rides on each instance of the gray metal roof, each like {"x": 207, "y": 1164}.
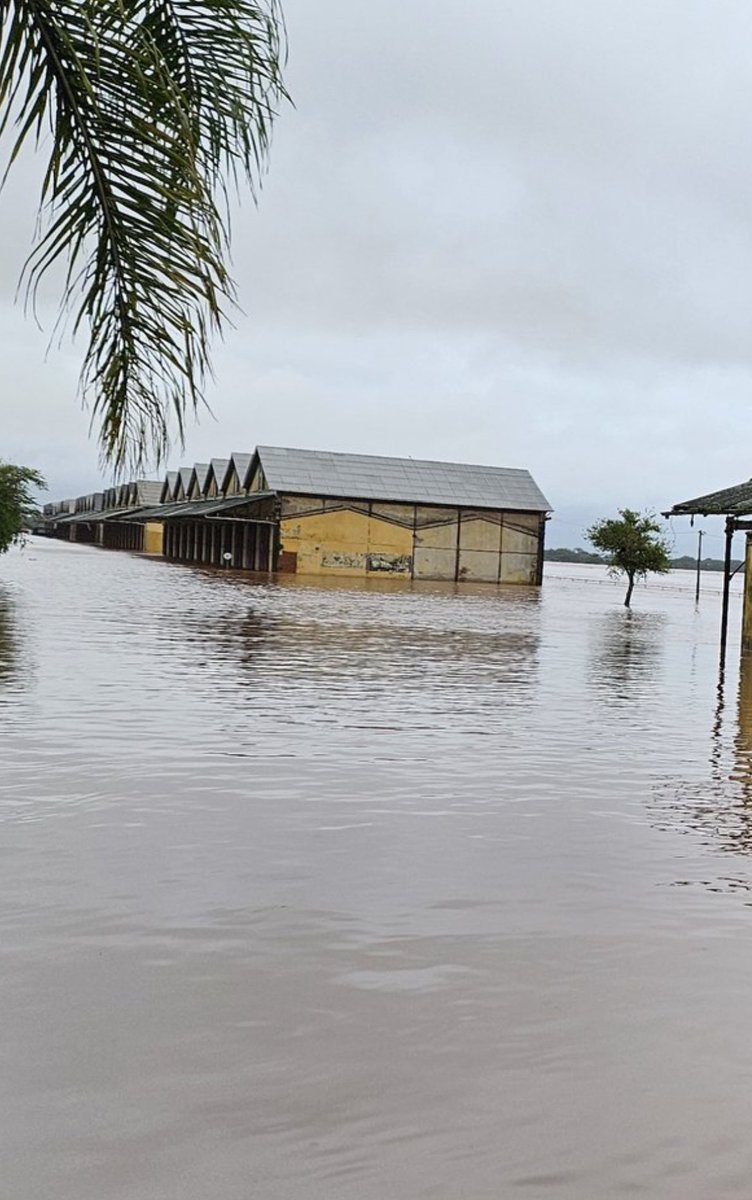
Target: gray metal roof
{"x": 218, "y": 469}
{"x": 168, "y": 487}
{"x": 157, "y": 512}
{"x": 200, "y": 470}
{"x": 409, "y": 480}
{"x": 208, "y": 508}
{"x": 241, "y": 462}
{"x": 148, "y": 491}
{"x": 190, "y": 508}
{"x": 92, "y": 518}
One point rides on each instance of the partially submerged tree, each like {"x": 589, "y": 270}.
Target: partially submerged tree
{"x": 17, "y": 502}
{"x": 633, "y": 544}
{"x": 153, "y": 107}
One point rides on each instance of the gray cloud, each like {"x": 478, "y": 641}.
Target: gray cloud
{"x": 511, "y": 233}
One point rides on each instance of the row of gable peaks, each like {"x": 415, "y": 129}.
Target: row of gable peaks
{"x": 204, "y": 481}
{"x": 361, "y": 476}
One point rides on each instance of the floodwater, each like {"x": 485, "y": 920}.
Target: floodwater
{"x": 357, "y": 892}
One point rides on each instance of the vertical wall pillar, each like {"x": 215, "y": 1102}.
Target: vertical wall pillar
{"x": 457, "y": 551}
{"x": 747, "y": 607}
{"x": 541, "y": 548}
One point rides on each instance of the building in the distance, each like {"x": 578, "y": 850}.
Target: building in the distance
{"x": 312, "y": 512}
{"x": 107, "y": 518}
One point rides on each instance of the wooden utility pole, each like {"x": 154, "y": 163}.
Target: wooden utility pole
{"x": 726, "y": 585}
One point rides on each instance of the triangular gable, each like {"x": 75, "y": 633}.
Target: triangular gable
{"x": 197, "y": 481}
{"x": 234, "y": 480}
{"x": 168, "y": 487}
{"x": 184, "y": 481}
{"x": 255, "y": 478}
{"x": 215, "y": 477}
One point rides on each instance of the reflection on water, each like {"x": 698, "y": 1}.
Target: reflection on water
{"x": 742, "y": 769}
{"x": 718, "y": 808}
{"x": 9, "y": 645}
{"x": 336, "y": 890}
{"x": 626, "y": 654}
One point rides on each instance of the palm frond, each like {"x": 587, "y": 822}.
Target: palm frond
{"x": 153, "y": 106}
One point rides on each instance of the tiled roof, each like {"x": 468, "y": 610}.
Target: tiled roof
{"x": 371, "y": 477}
{"x": 734, "y": 501}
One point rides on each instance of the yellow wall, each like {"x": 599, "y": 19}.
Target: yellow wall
{"x": 153, "y": 537}
{"x": 343, "y": 542}
{"x": 331, "y": 537}
{"x": 747, "y": 610}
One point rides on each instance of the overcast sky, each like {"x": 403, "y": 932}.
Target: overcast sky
{"x": 503, "y": 232}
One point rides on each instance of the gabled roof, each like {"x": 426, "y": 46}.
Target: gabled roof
{"x": 147, "y": 491}
{"x": 241, "y": 463}
{"x": 217, "y": 470}
{"x": 90, "y": 503}
{"x": 735, "y": 501}
{"x": 184, "y": 480}
{"x": 168, "y": 487}
{"x": 199, "y": 472}
{"x": 409, "y": 480}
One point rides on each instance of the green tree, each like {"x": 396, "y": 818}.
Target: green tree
{"x": 154, "y": 107}
{"x": 633, "y": 544}
{"x": 17, "y": 502}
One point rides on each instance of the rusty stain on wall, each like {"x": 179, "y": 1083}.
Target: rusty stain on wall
{"x": 423, "y": 541}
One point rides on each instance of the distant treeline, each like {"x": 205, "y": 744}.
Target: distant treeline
{"x": 685, "y": 563}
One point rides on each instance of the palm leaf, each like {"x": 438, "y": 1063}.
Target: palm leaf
{"x": 154, "y": 107}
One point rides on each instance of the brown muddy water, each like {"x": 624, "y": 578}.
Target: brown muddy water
{"x": 365, "y": 892}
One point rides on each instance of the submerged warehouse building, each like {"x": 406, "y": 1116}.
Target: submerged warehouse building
{"x": 313, "y": 512}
